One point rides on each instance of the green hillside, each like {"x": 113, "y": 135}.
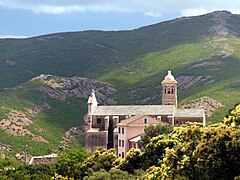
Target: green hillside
{"x": 43, "y": 111}
{"x": 202, "y": 52}
{"x": 87, "y": 53}
{"x": 51, "y": 118}
{"x": 216, "y": 60}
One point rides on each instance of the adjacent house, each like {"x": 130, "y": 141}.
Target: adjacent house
{"x": 129, "y": 132}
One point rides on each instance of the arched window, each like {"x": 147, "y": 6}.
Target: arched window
{"x": 169, "y": 90}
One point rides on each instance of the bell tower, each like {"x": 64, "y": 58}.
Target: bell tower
{"x": 169, "y": 90}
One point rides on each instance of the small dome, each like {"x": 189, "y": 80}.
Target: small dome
{"x": 169, "y": 76}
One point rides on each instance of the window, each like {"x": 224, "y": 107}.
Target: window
{"x": 169, "y": 90}
{"x": 119, "y": 130}
{"x": 99, "y": 120}
{"x": 119, "y": 143}
{"x": 122, "y": 130}
{"x": 119, "y": 155}
{"x": 122, "y": 154}
{"x": 172, "y": 89}
{"x": 122, "y": 143}
{"x": 145, "y": 121}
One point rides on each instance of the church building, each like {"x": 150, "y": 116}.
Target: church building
{"x": 120, "y": 126}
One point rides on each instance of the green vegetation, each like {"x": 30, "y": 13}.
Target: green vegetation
{"x": 51, "y": 120}
{"x": 190, "y": 151}
{"x": 153, "y": 131}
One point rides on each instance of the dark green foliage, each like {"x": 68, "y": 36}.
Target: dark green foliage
{"x": 190, "y": 151}
{"x": 11, "y": 169}
{"x": 201, "y": 153}
{"x": 100, "y": 159}
{"x": 155, "y": 150}
{"x": 70, "y": 163}
{"x": 117, "y": 174}
{"x": 113, "y": 174}
{"x": 153, "y": 131}
{"x": 99, "y": 175}
{"x": 217, "y": 153}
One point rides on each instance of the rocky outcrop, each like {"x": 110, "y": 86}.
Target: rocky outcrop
{"x": 60, "y": 87}
{"x": 224, "y": 49}
{"x": 205, "y": 64}
{"x": 3, "y": 148}
{"x": 220, "y": 27}
{"x": 207, "y": 103}
{"x": 185, "y": 82}
{"x": 71, "y": 133}
{"x": 16, "y": 122}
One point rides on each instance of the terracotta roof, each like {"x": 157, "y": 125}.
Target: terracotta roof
{"x": 189, "y": 113}
{"x": 133, "y": 110}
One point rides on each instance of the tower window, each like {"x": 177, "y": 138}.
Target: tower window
{"x": 122, "y": 130}
{"x": 169, "y": 90}
{"x": 119, "y": 130}
{"x": 122, "y": 143}
{"x": 119, "y": 143}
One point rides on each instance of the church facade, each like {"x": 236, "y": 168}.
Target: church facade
{"x": 104, "y": 124}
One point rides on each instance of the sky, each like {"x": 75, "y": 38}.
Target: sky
{"x": 27, "y": 18}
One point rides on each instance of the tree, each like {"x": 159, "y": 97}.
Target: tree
{"x": 233, "y": 118}
{"x": 113, "y": 174}
{"x": 99, "y": 175}
{"x": 217, "y": 154}
{"x": 213, "y": 155}
{"x": 153, "y": 131}
{"x": 155, "y": 150}
{"x": 70, "y": 163}
{"x": 117, "y": 174}
{"x": 100, "y": 159}
{"x": 131, "y": 162}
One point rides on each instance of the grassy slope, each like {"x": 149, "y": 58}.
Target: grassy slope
{"x": 56, "y": 121}
{"x": 147, "y": 72}
{"x": 87, "y": 53}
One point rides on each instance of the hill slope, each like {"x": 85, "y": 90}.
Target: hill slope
{"x": 202, "y": 51}
{"x": 41, "y": 111}
{"x": 87, "y": 53}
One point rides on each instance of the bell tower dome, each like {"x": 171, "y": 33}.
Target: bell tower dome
{"x": 169, "y": 90}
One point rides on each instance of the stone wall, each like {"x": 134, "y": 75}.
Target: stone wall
{"x": 94, "y": 140}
